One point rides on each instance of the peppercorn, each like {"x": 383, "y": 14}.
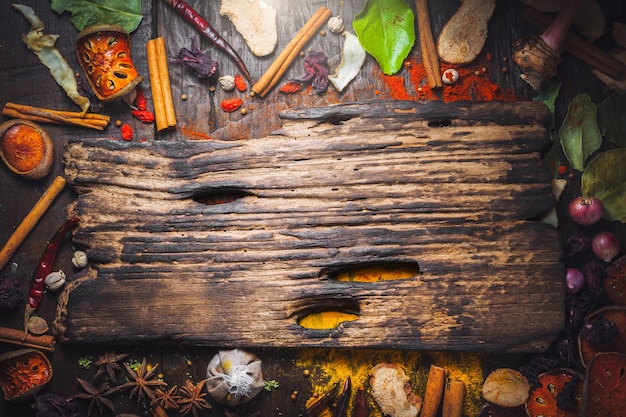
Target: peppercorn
{"x": 118, "y": 123}
{"x": 243, "y": 111}
{"x": 183, "y": 97}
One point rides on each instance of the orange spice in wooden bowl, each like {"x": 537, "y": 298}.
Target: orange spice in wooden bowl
{"x": 26, "y": 148}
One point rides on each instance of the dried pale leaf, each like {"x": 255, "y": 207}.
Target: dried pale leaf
{"x": 43, "y": 46}
{"x": 352, "y": 58}
{"x": 551, "y": 217}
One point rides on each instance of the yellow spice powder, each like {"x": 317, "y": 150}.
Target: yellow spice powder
{"x": 329, "y": 366}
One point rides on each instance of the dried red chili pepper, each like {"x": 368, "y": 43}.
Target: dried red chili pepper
{"x": 290, "y": 87}
{"x": 240, "y": 83}
{"x": 145, "y": 116}
{"x": 140, "y": 101}
{"x": 361, "y": 408}
{"x": 196, "y": 20}
{"x": 231, "y": 104}
{"x": 343, "y": 399}
{"x": 322, "y": 402}
{"x": 127, "y": 132}
{"x": 46, "y": 263}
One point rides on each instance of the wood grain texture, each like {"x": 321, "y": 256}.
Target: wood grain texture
{"x": 453, "y": 188}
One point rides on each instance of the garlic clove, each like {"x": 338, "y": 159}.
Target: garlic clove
{"x": 55, "y": 280}
{"x": 80, "y": 260}
{"x": 227, "y": 82}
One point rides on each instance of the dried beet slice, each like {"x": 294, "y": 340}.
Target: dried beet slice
{"x": 615, "y": 281}
{"x": 605, "y": 385}
{"x": 544, "y": 399}
{"x": 614, "y": 314}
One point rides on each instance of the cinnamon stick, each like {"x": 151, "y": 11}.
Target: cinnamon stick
{"x": 16, "y": 337}
{"x": 160, "y": 84}
{"x": 580, "y": 48}
{"x": 31, "y": 219}
{"x": 284, "y": 60}
{"x": 427, "y": 45}
{"x": 434, "y": 391}
{"x": 38, "y": 114}
{"x": 453, "y": 397}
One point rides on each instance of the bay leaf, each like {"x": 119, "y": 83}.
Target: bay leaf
{"x": 386, "y": 30}
{"x": 579, "y": 133}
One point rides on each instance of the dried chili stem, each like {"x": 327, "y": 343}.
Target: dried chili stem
{"x": 280, "y": 65}
{"x": 31, "y": 220}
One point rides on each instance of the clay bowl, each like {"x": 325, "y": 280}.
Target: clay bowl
{"x": 26, "y": 148}
{"x": 23, "y": 373}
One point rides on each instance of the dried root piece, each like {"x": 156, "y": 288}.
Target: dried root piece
{"x": 392, "y": 392}
{"x": 464, "y": 36}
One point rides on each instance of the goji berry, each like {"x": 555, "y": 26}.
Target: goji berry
{"x": 290, "y": 87}
{"x": 127, "y": 132}
{"x": 231, "y": 104}
{"x": 145, "y": 116}
{"x": 140, "y": 101}
{"x": 562, "y": 169}
{"x": 240, "y": 83}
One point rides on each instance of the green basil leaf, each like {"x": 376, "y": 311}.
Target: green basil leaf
{"x": 611, "y": 118}
{"x": 386, "y": 30}
{"x": 579, "y": 133}
{"x": 605, "y": 179}
{"x": 124, "y": 13}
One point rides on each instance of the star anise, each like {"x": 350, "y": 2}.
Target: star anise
{"x": 192, "y": 398}
{"x": 97, "y": 396}
{"x": 109, "y": 364}
{"x": 165, "y": 398}
{"x": 143, "y": 381}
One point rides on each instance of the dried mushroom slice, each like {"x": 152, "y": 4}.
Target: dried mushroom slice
{"x": 558, "y": 394}
{"x": 614, "y": 316}
{"x": 103, "y": 52}
{"x": 605, "y": 385}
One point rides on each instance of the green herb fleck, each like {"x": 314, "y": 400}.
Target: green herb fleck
{"x": 271, "y": 384}
{"x": 85, "y": 362}
{"x": 134, "y": 364}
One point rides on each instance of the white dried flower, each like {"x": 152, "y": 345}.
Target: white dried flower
{"x": 227, "y": 82}
{"x": 335, "y": 24}
{"x": 55, "y": 280}
{"x": 80, "y": 260}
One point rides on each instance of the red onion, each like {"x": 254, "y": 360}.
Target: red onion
{"x": 605, "y": 245}
{"x": 585, "y": 210}
{"x": 574, "y": 281}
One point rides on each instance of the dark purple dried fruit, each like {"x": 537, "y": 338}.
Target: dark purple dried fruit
{"x": 575, "y": 245}
{"x": 599, "y": 332}
{"x": 52, "y": 405}
{"x": 316, "y": 71}
{"x": 11, "y": 295}
{"x": 197, "y": 60}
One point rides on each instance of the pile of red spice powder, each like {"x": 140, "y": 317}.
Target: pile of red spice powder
{"x": 473, "y": 84}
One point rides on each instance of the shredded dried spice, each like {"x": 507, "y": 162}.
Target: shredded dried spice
{"x": 316, "y": 71}
{"x": 197, "y": 60}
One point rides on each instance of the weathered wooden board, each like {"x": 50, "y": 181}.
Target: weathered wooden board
{"x": 455, "y": 189}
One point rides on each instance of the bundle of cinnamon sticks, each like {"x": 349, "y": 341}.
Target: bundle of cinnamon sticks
{"x": 40, "y": 115}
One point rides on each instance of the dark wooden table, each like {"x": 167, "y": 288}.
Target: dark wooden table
{"x": 24, "y": 80}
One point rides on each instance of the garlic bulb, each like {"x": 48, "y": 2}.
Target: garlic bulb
{"x": 80, "y": 260}
{"x": 227, "y": 82}
{"x": 55, "y": 280}
{"x": 335, "y": 24}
